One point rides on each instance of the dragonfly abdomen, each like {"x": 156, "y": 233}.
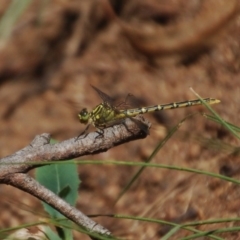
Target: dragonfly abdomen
{"x": 136, "y": 111}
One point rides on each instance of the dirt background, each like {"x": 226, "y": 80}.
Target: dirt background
{"x": 153, "y": 49}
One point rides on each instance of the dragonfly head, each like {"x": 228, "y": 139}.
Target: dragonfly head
{"x": 83, "y": 116}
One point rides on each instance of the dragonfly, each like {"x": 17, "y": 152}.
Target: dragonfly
{"x": 107, "y": 114}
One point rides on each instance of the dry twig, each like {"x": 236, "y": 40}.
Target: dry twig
{"x": 14, "y": 168}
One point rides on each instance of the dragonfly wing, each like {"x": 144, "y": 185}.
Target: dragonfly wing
{"x": 106, "y": 99}
{"x": 110, "y": 102}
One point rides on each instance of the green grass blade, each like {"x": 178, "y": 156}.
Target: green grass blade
{"x": 220, "y": 120}
{"x": 215, "y": 119}
{"x": 11, "y": 15}
{"x": 170, "y": 233}
{"x": 156, "y": 150}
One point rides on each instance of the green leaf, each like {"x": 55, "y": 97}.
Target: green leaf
{"x": 51, "y": 234}
{"x": 62, "y": 179}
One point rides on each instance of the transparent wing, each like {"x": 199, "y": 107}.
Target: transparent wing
{"x": 129, "y": 101}
{"x": 106, "y": 99}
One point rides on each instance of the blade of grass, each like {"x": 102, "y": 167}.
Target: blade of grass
{"x": 160, "y": 221}
{"x": 155, "y": 165}
{"x": 156, "y": 150}
{"x": 213, "y": 118}
{"x": 207, "y": 233}
{"x": 142, "y": 164}
{"x": 10, "y": 16}
{"x": 170, "y": 233}
{"x": 224, "y": 123}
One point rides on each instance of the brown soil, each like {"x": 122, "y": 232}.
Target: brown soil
{"x": 154, "y": 49}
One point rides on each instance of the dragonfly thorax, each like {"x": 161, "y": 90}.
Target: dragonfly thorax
{"x": 84, "y": 116}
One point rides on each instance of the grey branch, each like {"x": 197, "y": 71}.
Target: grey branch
{"x": 28, "y": 184}
{"x": 13, "y": 168}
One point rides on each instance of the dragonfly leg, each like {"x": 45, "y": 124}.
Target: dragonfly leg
{"x": 125, "y": 125}
{"x": 100, "y": 133}
{"x": 83, "y": 133}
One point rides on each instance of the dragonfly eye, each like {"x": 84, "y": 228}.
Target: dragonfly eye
{"x": 83, "y": 116}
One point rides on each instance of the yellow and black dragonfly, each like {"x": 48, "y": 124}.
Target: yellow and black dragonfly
{"x": 107, "y": 114}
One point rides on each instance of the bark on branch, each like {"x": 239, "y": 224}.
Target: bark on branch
{"x": 14, "y": 168}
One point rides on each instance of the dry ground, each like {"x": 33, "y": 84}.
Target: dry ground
{"x": 153, "y": 49}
